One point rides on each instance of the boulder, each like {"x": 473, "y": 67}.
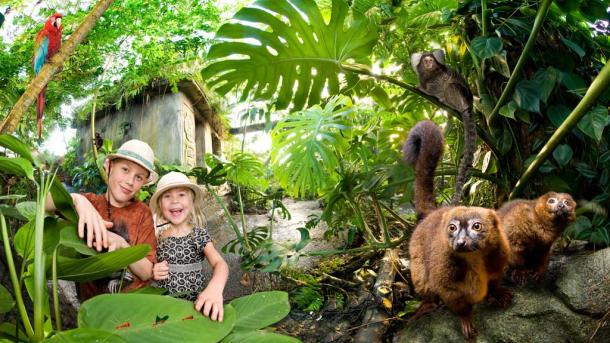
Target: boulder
{"x": 583, "y": 283}
{"x": 534, "y": 316}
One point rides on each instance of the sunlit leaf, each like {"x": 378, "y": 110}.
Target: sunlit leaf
{"x": 81, "y": 335}
{"x": 259, "y": 310}
{"x": 258, "y": 337}
{"x": 295, "y": 59}
{"x": 486, "y": 47}
{"x": 16, "y": 146}
{"x": 17, "y": 166}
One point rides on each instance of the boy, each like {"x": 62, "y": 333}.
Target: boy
{"x": 115, "y": 219}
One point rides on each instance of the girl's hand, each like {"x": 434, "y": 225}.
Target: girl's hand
{"x": 161, "y": 271}
{"x": 209, "y": 302}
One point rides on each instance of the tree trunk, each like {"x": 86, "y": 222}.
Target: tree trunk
{"x": 50, "y": 68}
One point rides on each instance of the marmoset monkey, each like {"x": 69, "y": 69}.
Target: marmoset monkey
{"x": 458, "y": 254}
{"x": 451, "y": 89}
{"x": 531, "y": 227}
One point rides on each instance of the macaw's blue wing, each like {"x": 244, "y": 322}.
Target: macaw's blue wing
{"x": 41, "y": 48}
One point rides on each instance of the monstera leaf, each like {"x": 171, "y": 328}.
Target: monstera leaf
{"x": 288, "y": 51}
{"x": 306, "y": 146}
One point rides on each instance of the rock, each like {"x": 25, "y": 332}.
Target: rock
{"x": 535, "y": 316}
{"x": 584, "y": 283}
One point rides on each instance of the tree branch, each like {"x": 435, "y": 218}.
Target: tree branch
{"x": 49, "y": 69}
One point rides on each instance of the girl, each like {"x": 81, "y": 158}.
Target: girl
{"x": 183, "y": 244}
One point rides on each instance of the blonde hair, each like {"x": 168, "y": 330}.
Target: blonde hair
{"x": 197, "y": 216}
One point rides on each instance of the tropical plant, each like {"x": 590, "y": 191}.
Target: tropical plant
{"x": 530, "y": 62}
{"x": 156, "y": 318}
{"x": 48, "y": 246}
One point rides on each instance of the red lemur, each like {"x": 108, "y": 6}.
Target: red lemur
{"x": 451, "y": 89}
{"x": 458, "y": 254}
{"x": 531, "y": 227}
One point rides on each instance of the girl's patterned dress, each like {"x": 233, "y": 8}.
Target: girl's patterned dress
{"x": 185, "y": 258}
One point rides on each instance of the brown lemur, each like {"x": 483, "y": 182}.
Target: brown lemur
{"x": 531, "y": 227}
{"x": 451, "y": 89}
{"x": 458, "y": 254}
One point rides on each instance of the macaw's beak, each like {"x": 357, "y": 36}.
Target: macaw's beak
{"x": 57, "y": 22}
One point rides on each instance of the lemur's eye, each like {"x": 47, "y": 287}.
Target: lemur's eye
{"x": 452, "y": 227}
{"x": 477, "y": 226}
{"x": 552, "y": 201}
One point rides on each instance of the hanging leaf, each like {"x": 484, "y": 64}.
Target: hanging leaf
{"x": 574, "y": 47}
{"x": 17, "y": 166}
{"x": 526, "y": 96}
{"x": 260, "y": 310}
{"x": 574, "y": 83}
{"x": 98, "y": 266}
{"x": 17, "y": 146}
{"x": 63, "y": 201}
{"x": 6, "y": 300}
{"x": 500, "y": 64}
{"x": 295, "y": 59}
{"x": 68, "y": 237}
{"x": 85, "y": 335}
{"x": 509, "y": 109}
{"x": 546, "y": 79}
{"x": 134, "y": 318}
{"x": 563, "y": 154}
{"x": 594, "y": 122}
{"x": 557, "y": 114}
{"x": 486, "y": 47}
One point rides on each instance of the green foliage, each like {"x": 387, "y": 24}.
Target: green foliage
{"x": 596, "y": 230}
{"x": 307, "y": 146}
{"x": 154, "y": 318}
{"x": 308, "y": 298}
{"x": 6, "y": 300}
{"x": 300, "y": 47}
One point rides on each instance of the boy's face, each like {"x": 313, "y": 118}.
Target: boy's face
{"x": 125, "y": 180}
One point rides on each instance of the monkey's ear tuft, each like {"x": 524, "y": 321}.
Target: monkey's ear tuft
{"x": 439, "y": 55}
{"x": 415, "y": 58}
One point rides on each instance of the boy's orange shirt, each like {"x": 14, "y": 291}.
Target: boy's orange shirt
{"x": 135, "y": 219}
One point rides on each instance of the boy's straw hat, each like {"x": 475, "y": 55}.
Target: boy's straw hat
{"x": 173, "y": 180}
{"x": 138, "y": 152}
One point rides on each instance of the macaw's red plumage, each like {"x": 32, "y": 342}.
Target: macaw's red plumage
{"x": 46, "y": 45}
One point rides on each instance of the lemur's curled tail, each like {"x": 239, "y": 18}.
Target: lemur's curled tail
{"x": 423, "y": 148}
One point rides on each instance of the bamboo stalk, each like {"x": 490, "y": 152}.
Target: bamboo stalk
{"x": 514, "y": 77}
{"x": 598, "y": 85}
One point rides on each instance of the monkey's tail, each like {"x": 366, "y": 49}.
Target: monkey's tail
{"x": 423, "y": 148}
{"x": 470, "y": 140}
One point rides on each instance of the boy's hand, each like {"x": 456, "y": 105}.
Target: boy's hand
{"x": 209, "y": 302}
{"x": 115, "y": 241}
{"x": 89, "y": 219}
{"x": 161, "y": 271}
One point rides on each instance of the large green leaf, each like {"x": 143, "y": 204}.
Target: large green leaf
{"x": 546, "y": 79}
{"x": 594, "y": 122}
{"x": 17, "y": 166}
{"x": 258, "y": 337}
{"x": 81, "y": 335}
{"x": 153, "y": 318}
{"x": 260, "y": 310}
{"x": 16, "y": 146}
{"x": 526, "y": 96}
{"x": 6, "y": 300}
{"x": 63, "y": 201}
{"x": 563, "y": 154}
{"x": 304, "y": 146}
{"x": 98, "y": 266}
{"x": 486, "y": 47}
{"x": 295, "y": 55}
{"x": 69, "y": 238}
{"x": 24, "y": 238}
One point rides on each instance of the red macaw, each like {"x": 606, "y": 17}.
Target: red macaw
{"x": 46, "y": 45}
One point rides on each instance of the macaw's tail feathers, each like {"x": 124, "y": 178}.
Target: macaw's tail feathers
{"x": 40, "y": 110}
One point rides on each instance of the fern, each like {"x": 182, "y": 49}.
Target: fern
{"x": 308, "y": 298}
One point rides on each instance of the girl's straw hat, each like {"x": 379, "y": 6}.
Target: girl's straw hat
{"x": 173, "y": 180}
{"x": 138, "y": 152}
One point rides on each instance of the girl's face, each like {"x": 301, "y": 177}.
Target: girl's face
{"x": 176, "y": 205}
